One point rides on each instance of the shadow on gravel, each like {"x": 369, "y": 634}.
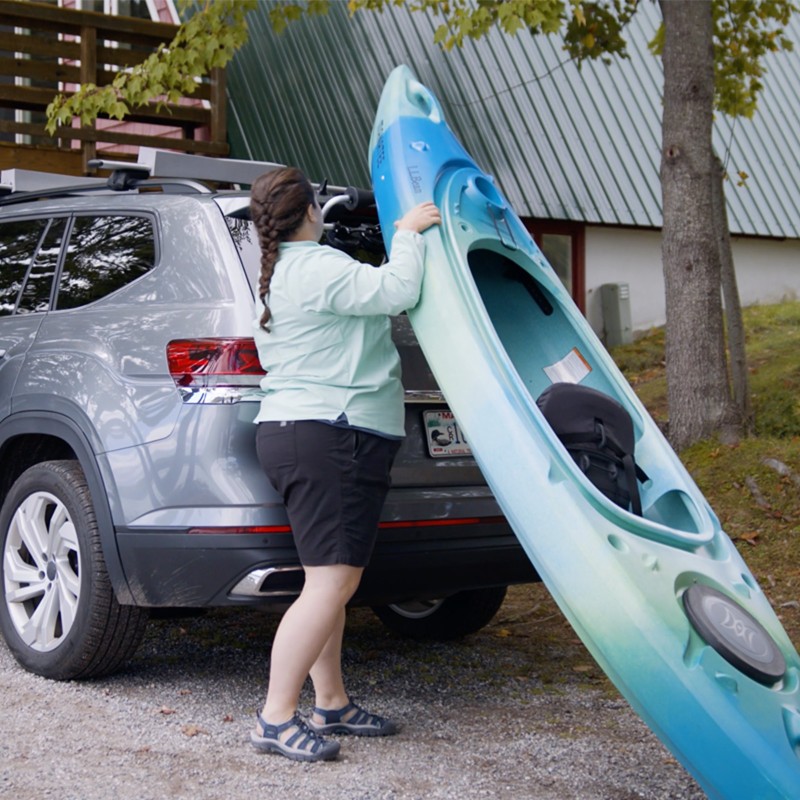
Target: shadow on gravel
{"x": 518, "y": 708}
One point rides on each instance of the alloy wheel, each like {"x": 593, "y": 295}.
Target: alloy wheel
{"x": 42, "y": 564}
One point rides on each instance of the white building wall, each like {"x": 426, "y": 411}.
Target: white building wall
{"x": 767, "y": 271}
{"x": 625, "y": 255}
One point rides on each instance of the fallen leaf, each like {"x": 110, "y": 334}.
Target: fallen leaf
{"x": 166, "y": 711}
{"x": 228, "y": 718}
{"x": 582, "y": 668}
{"x": 502, "y": 633}
{"x": 192, "y": 730}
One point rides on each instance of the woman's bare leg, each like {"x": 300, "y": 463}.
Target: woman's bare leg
{"x": 310, "y": 637}
{"x": 326, "y": 672}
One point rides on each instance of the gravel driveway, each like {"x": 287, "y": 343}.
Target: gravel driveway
{"x": 516, "y": 710}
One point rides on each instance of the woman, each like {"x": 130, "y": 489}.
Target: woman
{"x": 329, "y": 427}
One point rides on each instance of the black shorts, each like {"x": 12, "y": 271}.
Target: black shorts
{"x": 333, "y": 481}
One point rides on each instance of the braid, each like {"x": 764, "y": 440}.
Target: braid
{"x": 278, "y": 204}
{"x": 268, "y": 241}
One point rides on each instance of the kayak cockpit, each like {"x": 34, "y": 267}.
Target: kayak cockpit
{"x": 548, "y": 341}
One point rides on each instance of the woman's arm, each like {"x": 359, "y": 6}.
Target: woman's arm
{"x": 339, "y": 284}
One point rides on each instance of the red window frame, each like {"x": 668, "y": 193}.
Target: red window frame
{"x": 577, "y": 234}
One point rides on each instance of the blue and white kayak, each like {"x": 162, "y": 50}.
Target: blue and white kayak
{"x": 662, "y": 600}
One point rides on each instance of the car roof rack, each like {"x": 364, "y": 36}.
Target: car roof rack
{"x": 22, "y": 185}
{"x": 30, "y": 180}
{"x": 170, "y": 171}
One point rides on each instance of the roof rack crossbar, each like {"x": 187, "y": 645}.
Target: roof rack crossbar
{"x": 104, "y": 163}
{"x": 124, "y": 176}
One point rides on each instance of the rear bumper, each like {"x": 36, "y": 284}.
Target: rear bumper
{"x": 415, "y": 560}
{"x": 434, "y": 564}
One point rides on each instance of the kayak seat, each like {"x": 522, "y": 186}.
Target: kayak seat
{"x": 598, "y": 433}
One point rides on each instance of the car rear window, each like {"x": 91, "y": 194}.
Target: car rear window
{"x": 104, "y": 254}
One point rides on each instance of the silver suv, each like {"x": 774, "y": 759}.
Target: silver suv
{"x": 128, "y": 385}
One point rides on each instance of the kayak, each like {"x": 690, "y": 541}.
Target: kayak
{"x": 661, "y": 598}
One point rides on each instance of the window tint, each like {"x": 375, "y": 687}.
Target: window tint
{"x": 39, "y": 283}
{"x": 18, "y": 241}
{"x": 103, "y": 255}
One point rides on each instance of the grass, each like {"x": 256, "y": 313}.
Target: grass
{"x": 773, "y": 341}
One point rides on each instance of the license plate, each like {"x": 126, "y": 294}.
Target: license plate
{"x": 443, "y": 435}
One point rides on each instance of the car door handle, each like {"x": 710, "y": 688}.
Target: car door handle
{"x": 3, "y": 353}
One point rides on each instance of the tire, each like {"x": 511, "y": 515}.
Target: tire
{"x": 59, "y": 615}
{"x": 447, "y": 618}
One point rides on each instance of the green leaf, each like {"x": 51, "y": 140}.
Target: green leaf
{"x": 118, "y": 110}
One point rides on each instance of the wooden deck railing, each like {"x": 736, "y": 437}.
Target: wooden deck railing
{"x": 45, "y": 49}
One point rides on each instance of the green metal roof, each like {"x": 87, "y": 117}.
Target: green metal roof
{"x": 563, "y": 143}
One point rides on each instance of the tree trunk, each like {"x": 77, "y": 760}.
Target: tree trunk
{"x": 698, "y": 395}
{"x": 734, "y": 324}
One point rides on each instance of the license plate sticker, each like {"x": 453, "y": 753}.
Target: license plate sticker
{"x": 443, "y": 435}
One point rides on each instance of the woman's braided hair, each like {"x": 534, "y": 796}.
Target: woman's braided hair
{"x": 278, "y": 204}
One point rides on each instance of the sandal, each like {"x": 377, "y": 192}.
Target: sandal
{"x": 303, "y": 745}
{"x": 360, "y": 723}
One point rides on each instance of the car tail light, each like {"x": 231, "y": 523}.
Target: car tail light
{"x": 214, "y": 363}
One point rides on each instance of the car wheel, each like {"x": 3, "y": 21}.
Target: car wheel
{"x": 59, "y": 615}
{"x": 446, "y": 618}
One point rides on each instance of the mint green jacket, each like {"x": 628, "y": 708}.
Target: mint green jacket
{"x": 329, "y": 350}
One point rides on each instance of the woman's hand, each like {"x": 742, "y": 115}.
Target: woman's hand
{"x": 419, "y": 218}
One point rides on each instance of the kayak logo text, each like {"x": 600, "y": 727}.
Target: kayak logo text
{"x": 415, "y": 176}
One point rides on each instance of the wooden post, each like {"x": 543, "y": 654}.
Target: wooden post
{"x": 88, "y": 75}
{"x": 219, "y": 106}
